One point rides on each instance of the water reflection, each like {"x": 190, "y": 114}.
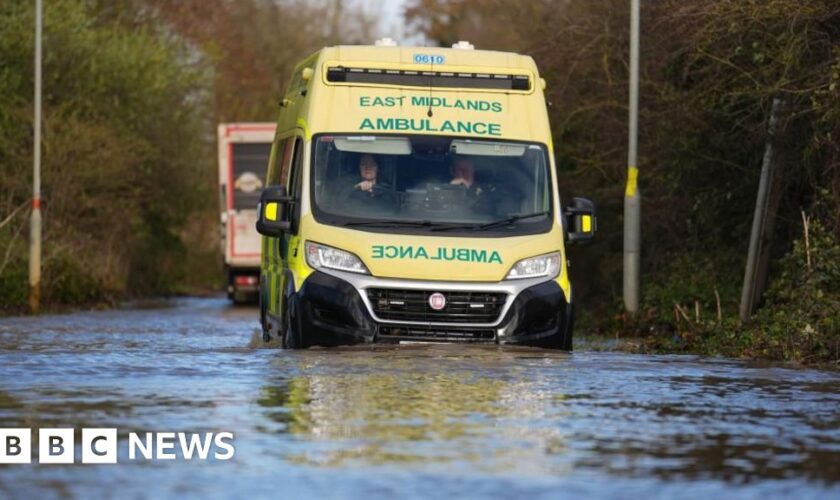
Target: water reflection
{"x": 416, "y": 406}
{"x": 536, "y": 412}
{"x": 383, "y": 421}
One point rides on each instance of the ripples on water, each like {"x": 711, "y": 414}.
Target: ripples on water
{"x": 410, "y": 420}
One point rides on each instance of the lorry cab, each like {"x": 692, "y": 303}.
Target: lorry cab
{"x": 412, "y": 197}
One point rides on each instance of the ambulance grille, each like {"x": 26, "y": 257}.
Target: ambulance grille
{"x": 413, "y": 305}
{"x": 433, "y": 334}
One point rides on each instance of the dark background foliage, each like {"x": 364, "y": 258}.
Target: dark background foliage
{"x": 134, "y": 89}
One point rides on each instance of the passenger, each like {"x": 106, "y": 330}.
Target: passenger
{"x": 482, "y": 198}
{"x": 463, "y": 174}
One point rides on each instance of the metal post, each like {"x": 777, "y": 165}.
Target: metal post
{"x": 632, "y": 198}
{"x": 750, "y": 291}
{"x": 35, "y": 218}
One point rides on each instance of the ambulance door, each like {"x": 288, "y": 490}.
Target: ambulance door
{"x": 272, "y": 254}
{"x": 289, "y": 241}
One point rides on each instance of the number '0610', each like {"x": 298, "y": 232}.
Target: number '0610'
{"x": 428, "y": 59}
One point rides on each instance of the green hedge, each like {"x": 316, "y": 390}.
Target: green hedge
{"x": 126, "y": 168}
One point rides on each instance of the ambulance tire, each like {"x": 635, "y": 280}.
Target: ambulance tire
{"x": 292, "y": 338}
{"x": 570, "y": 326}
{"x": 266, "y": 332}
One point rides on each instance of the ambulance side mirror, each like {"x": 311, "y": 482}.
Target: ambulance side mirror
{"x": 271, "y": 220}
{"x": 581, "y": 220}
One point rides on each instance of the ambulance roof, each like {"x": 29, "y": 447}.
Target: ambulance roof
{"x": 427, "y": 56}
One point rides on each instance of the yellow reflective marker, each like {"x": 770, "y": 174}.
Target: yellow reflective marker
{"x": 586, "y": 223}
{"x": 632, "y": 176}
{"x": 271, "y": 211}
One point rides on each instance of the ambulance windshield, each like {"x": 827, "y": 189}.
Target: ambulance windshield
{"x": 422, "y": 184}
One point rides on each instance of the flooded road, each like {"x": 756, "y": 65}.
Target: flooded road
{"x": 414, "y": 421}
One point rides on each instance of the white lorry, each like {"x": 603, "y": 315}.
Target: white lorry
{"x": 244, "y": 149}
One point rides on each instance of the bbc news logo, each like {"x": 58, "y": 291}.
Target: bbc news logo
{"x": 101, "y": 446}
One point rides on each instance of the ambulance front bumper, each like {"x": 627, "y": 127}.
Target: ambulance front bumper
{"x": 345, "y": 308}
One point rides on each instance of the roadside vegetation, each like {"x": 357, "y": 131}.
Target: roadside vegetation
{"x": 710, "y": 71}
{"x": 134, "y": 89}
{"x": 122, "y": 130}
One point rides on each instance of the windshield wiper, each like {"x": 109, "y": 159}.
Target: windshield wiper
{"x": 509, "y": 220}
{"x": 443, "y": 226}
{"x": 394, "y": 223}
{"x": 454, "y": 226}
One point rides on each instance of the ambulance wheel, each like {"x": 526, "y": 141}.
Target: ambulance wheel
{"x": 292, "y": 338}
{"x": 570, "y": 326}
{"x": 266, "y": 333}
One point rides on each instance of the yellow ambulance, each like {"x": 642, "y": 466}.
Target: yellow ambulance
{"x": 411, "y": 196}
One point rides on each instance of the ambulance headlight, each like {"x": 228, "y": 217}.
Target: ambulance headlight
{"x": 324, "y": 257}
{"x": 535, "y": 267}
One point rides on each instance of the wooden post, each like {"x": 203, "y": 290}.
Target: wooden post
{"x": 766, "y": 205}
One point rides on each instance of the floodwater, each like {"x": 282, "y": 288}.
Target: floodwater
{"x": 410, "y": 421}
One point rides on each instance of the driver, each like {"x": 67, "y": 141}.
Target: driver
{"x": 368, "y": 169}
{"x": 368, "y": 192}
